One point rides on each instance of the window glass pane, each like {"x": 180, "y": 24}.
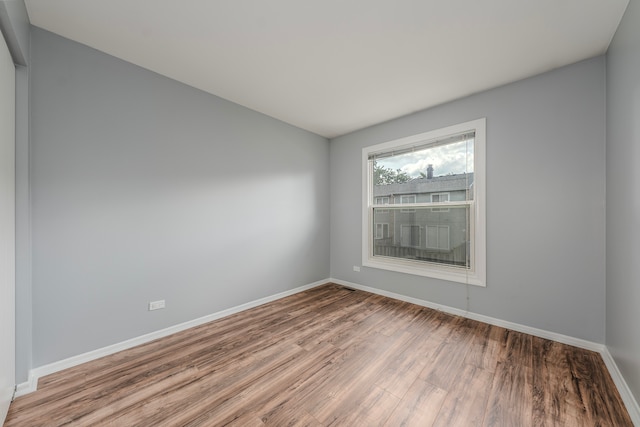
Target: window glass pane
{"x": 443, "y": 237}
{"x": 436, "y": 173}
{"x": 432, "y": 235}
{"x": 408, "y": 199}
{"x": 424, "y": 163}
{"x": 381, "y": 201}
{"x": 424, "y": 235}
{"x": 440, "y": 197}
{"x": 382, "y": 230}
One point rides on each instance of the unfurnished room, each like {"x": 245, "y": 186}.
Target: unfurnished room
{"x": 297, "y": 213}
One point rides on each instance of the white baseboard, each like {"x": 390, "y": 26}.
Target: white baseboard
{"x": 632, "y": 405}
{"x": 625, "y": 393}
{"x": 26, "y": 387}
{"x": 31, "y": 384}
{"x": 576, "y": 342}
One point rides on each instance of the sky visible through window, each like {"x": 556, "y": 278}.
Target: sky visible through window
{"x": 454, "y": 158}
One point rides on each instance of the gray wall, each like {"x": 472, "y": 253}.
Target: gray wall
{"x": 545, "y": 202}
{"x": 145, "y": 189}
{"x": 14, "y": 23}
{"x": 23, "y": 230}
{"x": 623, "y": 197}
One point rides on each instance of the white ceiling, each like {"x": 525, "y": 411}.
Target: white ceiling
{"x": 335, "y": 66}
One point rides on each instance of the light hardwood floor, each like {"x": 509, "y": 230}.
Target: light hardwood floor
{"x": 331, "y": 356}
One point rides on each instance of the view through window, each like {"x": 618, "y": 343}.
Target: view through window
{"x": 421, "y": 203}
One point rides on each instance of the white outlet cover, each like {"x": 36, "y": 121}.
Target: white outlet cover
{"x": 156, "y": 305}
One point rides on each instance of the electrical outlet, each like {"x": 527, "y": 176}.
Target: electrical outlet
{"x": 356, "y": 268}
{"x": 156, "y": 305}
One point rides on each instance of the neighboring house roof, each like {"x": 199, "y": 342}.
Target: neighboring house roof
{"x": 436, "y": 184}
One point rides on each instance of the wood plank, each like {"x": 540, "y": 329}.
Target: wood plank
{"x": 555, "y": 399}
{"x": 518, "y": 349}
{"x": 419, "y": 407}
{"x": 596, "y": 390}
{"x": 509, "y": 402}
{"x": 465, "y": 404}
{"x": 487, "y": 347}
{"x": 447, "y": 365}
{"x": 407, "y": 365}
{"x": 331, "y": 356}
{"x": 346, "y": 390}
{"x": 371, "y": 409}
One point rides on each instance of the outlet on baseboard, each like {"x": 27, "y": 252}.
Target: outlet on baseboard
{"x": 356, "y": 268}
{"x": 156, "y": 305}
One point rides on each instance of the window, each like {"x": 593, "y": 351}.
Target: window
{"x": 416, "y": 175}
{"x": 410, "y": 235}
{"x": 437, "y": 198}
{"x": 410, "y": 199}
{"x": 438, "y": 237}
{"x": 384, "y": 200}
{"x": 382, "y": 230}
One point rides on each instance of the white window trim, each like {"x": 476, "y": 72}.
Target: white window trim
{"x": 477, "y": 274}
{"x": 407, "y": 203}
{"x": 446, "y": 193}
{"x": 440, "y": 194}
{"x": 383, "y": 211}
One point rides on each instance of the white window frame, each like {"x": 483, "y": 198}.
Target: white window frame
{"x": 476, "y": 274}
{"x": 402, "y": 202}
{"x": 383, "y": 211}
{"x": 440, "y": 201}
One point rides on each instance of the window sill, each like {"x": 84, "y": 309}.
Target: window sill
{"x": 435, "y": 271}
